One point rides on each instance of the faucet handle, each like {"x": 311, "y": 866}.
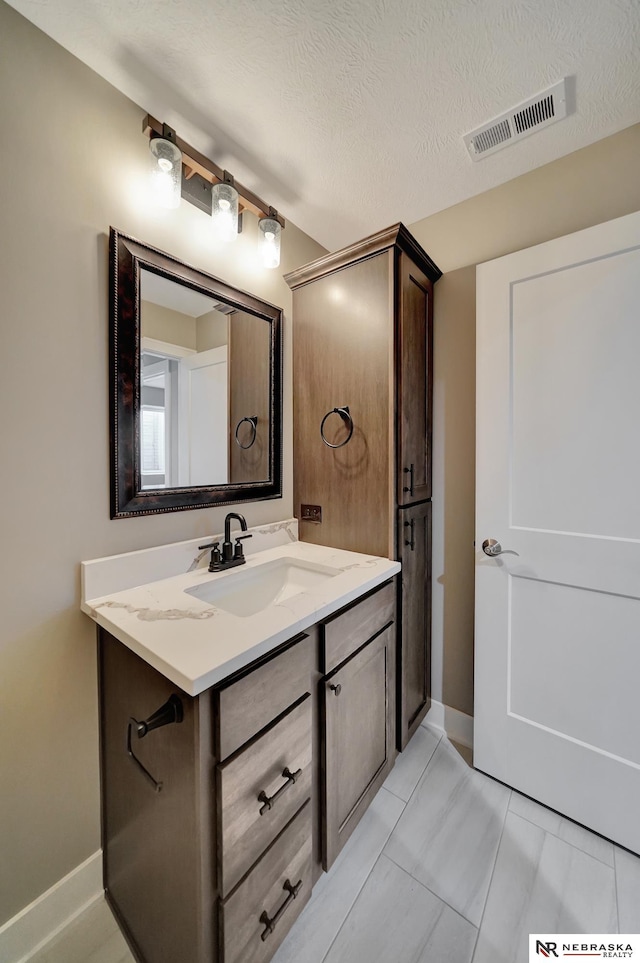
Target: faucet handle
{"x": 238, "y": 550}
{"x": 201, "y": 548}
{"x": 214, "y": 563}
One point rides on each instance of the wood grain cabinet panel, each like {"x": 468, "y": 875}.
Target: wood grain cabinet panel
{"x": 357, "y": 703}
{"x": 342, "y": 344}
{"x": 249, "y": 817}
{"x": 255, "y": 919}
{"x": 414, "y": 384}
{"x": 250, "y": 700}
{"x": 351, "y": 628}
{"x": 414, "y": 666}
{"x": 157, "y": 862}
{"x": 249, "y": 397}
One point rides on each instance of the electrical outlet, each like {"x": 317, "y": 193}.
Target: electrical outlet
{"x": 311, "y": 513}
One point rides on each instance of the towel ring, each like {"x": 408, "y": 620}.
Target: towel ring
{"x": 348, "y": 420}
{"x": 253, "y": 421}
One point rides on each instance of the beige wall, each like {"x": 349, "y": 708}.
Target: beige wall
{"x": 212, "y": 330}
{"x": 165, "y": 324}
{"x": 585, "y": 188}
{"x": 75, "y": 163}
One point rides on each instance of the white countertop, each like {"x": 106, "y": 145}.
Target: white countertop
{"x": 195, "y": 644}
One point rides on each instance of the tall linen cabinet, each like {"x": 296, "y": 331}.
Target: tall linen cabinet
{"x": 362, "y": 415}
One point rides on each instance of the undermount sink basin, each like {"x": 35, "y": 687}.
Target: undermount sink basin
{"x": 248, "y": 591}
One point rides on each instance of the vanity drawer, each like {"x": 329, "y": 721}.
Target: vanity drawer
{"x": 256, "y": 918}
{"x": 247, "y": 823}
{"x": 347, "y": 631}
{"x": 249, "y": 702}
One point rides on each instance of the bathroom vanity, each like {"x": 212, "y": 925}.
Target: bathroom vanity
{"x": 278, "y": 731}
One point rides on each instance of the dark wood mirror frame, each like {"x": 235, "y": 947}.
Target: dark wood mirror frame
{"x": 127, "y": 257}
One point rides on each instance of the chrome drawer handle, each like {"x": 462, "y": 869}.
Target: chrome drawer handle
{"x": 269, "y": 800}
{"x": 270, "y": 923}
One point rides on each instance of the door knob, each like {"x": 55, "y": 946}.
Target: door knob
{"x": 491, "y": 548}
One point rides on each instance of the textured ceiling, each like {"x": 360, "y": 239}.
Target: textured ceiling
{"x": 348, "y": 117}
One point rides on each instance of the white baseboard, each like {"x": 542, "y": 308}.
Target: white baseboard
{"x": 457, "y": 725}
{"x": 33, "y": 927}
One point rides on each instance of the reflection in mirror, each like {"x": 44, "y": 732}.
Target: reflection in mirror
{"x": 206, "y": 416}
{"x": 204, "y": 376}
{"x": 184, "y": 411}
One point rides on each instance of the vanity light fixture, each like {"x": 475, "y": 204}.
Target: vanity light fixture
{"x": 224, "y": 209}
{"x": 201, "y": 182}
{"x": 270, "y": 232}
{"x": 166, "y": 170}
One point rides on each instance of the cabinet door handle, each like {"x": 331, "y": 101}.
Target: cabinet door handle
{"x": 269, "y": 800}
{"x": 411, "y": 541}
{"x": 336, "y": 689}
{"x": 270, "y": 922}
{"x": 409, "y": 471}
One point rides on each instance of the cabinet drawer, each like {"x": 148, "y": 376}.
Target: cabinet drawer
{"x": 257, "y": 917}
{"x": 249, "y": 817}
{"x": 346, "y": 632}
{"x": 248, "y": 704}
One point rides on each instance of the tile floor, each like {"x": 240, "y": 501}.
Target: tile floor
{"x": 447, "y": 866}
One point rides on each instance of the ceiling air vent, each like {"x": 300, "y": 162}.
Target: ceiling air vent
{"x": 540, "y": 111}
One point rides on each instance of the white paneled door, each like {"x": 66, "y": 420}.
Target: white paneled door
{"x": 203, "y": 420}
{"x": 557, "y": 687}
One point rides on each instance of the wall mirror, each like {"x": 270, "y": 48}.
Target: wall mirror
{"x": 195, "y": 387}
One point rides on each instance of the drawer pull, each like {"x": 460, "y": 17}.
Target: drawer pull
{"x": 336, "y": 689}
{"x": 269, "y": 800}
{"x": 270, "y": 923}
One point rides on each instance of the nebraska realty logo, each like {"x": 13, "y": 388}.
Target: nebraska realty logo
{"x": 561, "y": 946}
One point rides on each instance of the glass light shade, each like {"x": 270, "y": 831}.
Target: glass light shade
{"x": 270, "y": 231}
{"x": 166, "y": 172}
{"x": 224, "y": 211}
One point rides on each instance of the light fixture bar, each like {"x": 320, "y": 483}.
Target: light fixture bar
{"x": 197, "y": 163}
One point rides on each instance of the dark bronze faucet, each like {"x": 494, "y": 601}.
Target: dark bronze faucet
{"x": 229, "y": 557}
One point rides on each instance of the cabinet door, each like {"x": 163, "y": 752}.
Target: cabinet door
{"x": 358, "y": 709}
{"x": 414, "y": 669}
{"x": 342, "y": 351}
{"x": 414, "y": 375}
